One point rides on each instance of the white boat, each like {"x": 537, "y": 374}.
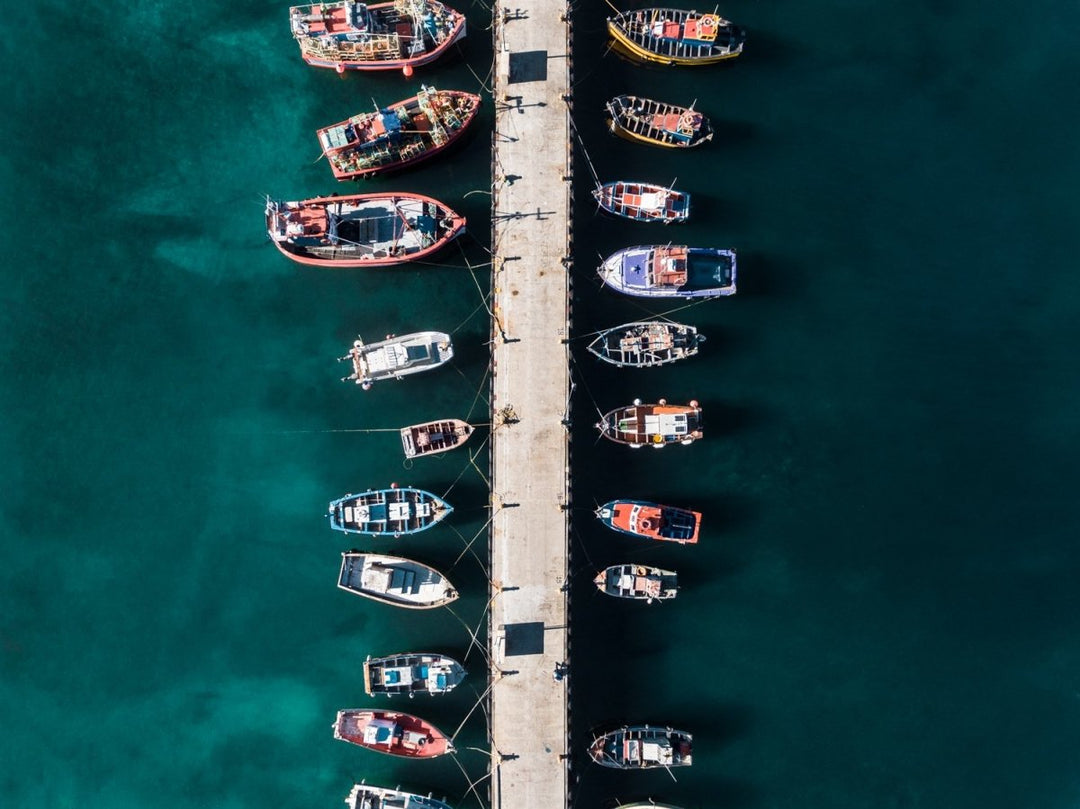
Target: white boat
{"x": 397, "y": 357}
{"x": 394, "y": 580}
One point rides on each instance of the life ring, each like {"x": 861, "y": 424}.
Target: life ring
{"x": 365, "y": 258}
{"x": 658, "y": 439}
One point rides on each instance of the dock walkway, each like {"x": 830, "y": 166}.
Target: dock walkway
{"x": 531, "y": 209}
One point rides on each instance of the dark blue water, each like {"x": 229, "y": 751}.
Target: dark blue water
{"x": 882, "y": 610}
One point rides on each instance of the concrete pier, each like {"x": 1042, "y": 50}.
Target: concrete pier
{"x": 531, "y": 207}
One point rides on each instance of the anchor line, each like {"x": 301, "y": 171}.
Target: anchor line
{"x": 585, "y": 384}
{"x": 479, "y": 392}
{"x": 464, "y": 469}
{"x": 468, "y": 545}
{"x": 473, "y": 708}
{"x": 472, "y": 638}
{"x": 585, "y": 154}
{"x": 472, "y": 786}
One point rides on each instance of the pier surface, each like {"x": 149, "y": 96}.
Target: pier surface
{"x": 530, "y": 391}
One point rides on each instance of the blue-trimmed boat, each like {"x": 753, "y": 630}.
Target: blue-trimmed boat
{"x": 388, "y": 512}
{"x": 669, "y": 271}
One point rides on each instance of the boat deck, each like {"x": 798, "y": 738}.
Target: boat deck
{"x": 530, "y": 389}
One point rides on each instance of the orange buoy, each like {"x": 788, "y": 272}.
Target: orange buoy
{"x": 340, "y": 68}
{"x": 407, "y": 70}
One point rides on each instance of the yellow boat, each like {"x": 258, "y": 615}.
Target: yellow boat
{"x": 675, "y": 36}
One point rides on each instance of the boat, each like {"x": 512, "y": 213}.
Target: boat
{"x": 394, "y": 512}
{"x": 667, "y": 271}
{"x": 400, "y": 35}
{"x": 638, "y": 582}
{"x": 657, "y": 122}
{"x": 651, "y": 521}
{"x": 397, "y": 357}
{"x": 643, "y": 202}
{"x": 370, "y": 797}
{"x": 433, "y": 437}
{"x": 416, "y": 673}
{"x": 675, "y": 36}
{"x": 646, "y": 343}
{"x": 361, "y": 230}
{"x": 398, "y": 136}
{"x": 394, "y": 580}
{"x": 641, "y": 747}
{"x": 391, "y": 732}
{"x": 655, "y": 425}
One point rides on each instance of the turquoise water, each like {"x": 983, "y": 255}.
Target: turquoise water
{"x": 882, "y": 610}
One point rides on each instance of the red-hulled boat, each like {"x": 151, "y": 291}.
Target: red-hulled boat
{"x": 398, "y": 136}
{"x": 400, "y": 35}
{"x": 361, "y": 230}
{"x": 651, "y": 520}
{"x": 391, "y": 732}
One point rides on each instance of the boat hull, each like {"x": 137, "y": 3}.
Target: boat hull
{"x": 410, "y": 674}
{"x": 393, "y": 733}
{"x": 675, "y": 36}
{"x": 394, "y": 580}
{"x": 332, "y": 39}
{"x": 639, "y": 518}
{"x": 637, "y": 583}
{"x": 671, "y": 271}
{"x": 642, "y": 747}
{"x": 657, "y": 123}
{"x": 366, "y": 796}
{"x": 400, "y": 136}
{"x": 396, "y": 512}
{"x": 361, "y": 230}
{"x": 434, "y": 437}
{"x": 397, "y": 357}
{"x": 655, "y": 425}
{"x": 643, "y": 202}
{"x": 646, "y": 344}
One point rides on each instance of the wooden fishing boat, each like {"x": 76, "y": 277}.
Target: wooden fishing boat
{"x": 415, "y": 673}
{"x": 394, "y": 580}
{"x": 643, "y": 202}
{"x": 398, "y": 136}
{"x": 399, "y": 35}
{"x": 433, "y": 437}
{"x": 646, "y": 344}
{"x": 391, "y": 732}
{"x": 638, "y": 582}
{"x": 361, "y": 230}
{"x": 657, "y": 122}
{"x": 654, "y": 425}
{"x": 642, "y": 747}
{"x": 640, "y": 518}
{"x": 675, "y": 36}
{"x": 364, "y": 796}
{"x": 395, "y": 512}
{"x": 397, "y": 357}
{"x": 669, "y": 271}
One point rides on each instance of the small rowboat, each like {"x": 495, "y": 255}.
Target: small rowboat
{"x": 434, "y": 437}
{"x": 657, "y": 122}
{"x": 675, "y": 36}
{"x": 643, "y": 202}
{"x": 654, "y": 425}
{"x": 361, "y": 230}
{"x": 416, "y": 673}
{"x": 651, "y": 521}
{"x": 400, "y": 135}
{"x": 646, "y": 344}
{"x": 395, "y": 581}
{"x": 637, "y": 582}
{"x": 641, "y": 747}
{"x": 671, "y": 271}
{"x": 391, "y": 732}
{"x": 350, "y": 35}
